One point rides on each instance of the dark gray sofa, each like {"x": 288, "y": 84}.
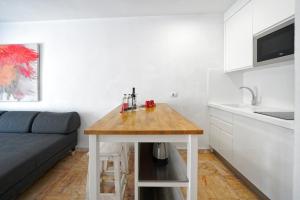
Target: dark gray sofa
{"x": 30, "y": 144}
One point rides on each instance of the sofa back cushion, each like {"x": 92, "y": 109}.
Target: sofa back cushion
{"x": 17, "y": 121}
{"x": 57, "y": 123}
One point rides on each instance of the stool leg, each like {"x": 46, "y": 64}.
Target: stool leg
{"x": 117, "y": 177}
{"x": 105, "y": 163}
{"x": 87, "y": 186}
{"x": 125, "y": 158}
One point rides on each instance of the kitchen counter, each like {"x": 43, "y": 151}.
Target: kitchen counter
{"x": 160, "y": 120}
{"x": 248, "y": 111}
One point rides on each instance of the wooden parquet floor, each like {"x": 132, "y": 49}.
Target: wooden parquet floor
{"x": 66, "y": 181}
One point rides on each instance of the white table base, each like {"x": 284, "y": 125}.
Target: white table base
{"x": 94, "y": 164}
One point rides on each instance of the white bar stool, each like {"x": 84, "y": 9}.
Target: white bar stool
{"x": 117, "y": 153}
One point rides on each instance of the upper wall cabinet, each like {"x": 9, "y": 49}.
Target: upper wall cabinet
{"x": 267, "y": 13}
{"x": 238, "y": 47}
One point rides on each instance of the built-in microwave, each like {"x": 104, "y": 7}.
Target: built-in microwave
{"x": 275, "y": 45}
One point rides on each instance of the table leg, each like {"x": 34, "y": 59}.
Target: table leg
{"x": 94, "y": 168}
{"x": 136, "y": 171}
{"x": 192, "y": 167}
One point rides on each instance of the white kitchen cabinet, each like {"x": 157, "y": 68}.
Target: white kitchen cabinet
{"x": 260, "y": 151}
{"x": 222, "y": 115}
{"x": 221, "y": 137}
{"x": 268, "y": 13}
{"x": 264, "y": 154}
{"x": 226, "y": 145}
{"x": 214, "y": 136}
{"x": 238, "y": 39}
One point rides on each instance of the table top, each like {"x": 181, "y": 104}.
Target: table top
{"x": 161, "y": 120}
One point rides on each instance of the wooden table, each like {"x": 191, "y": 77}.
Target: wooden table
{"x": 159, "y": 124}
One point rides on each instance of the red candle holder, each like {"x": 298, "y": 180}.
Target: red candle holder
{"x": 149, "y": 104}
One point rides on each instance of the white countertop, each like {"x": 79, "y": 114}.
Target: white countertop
{"x": 248, "y": 111}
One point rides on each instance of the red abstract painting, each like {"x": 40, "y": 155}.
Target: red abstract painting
{"x": 19, "y": 64}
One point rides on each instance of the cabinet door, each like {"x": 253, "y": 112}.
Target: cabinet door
{"x": 213, "y": 137}
{"x": 269, "y": 12}
{"x": 264, "y": 154}
{"x": 221, "y": 137}
{"x": 239, "y": 39}
{"x": 225, "y": 145}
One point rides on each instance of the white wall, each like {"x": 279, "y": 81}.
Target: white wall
{"x": 87, "y": 65}
{"x": 297, "y": 93}
{"x": 276, "y": 85}
{"x": 224, "y": 87}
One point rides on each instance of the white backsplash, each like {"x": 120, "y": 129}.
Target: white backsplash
{"x": 275, "y": 85}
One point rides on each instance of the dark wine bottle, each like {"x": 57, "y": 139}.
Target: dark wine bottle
{"x": 133, "y": 95}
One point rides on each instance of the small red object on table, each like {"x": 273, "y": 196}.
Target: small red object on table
{"x": 149, "y": 104}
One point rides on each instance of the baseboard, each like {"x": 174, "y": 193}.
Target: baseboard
{"x": 80, "y": 149}
{"x": 250, "y": 185}
{"x": 204, "y": 151}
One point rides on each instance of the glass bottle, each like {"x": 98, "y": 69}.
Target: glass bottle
{"x": 125, "y": 103}
{"x": 129, "y": 101}
{"x": 133, "y": 95}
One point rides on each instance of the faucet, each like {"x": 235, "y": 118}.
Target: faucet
{"x": 254, "y": 96}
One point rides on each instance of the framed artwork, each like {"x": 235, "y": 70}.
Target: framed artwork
{"x": 19, "y": 72}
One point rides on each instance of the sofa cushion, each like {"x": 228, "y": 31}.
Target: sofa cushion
{"x": 61, "y": 123}
{"x": 1, "y": 112}
{"x": 21, "y": 154}
{"x": 17, "y": 121}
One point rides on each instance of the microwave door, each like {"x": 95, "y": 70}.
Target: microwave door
{"x": 275, "y": 45}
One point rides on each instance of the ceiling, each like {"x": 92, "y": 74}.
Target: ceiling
{"x": 37, "y": 10}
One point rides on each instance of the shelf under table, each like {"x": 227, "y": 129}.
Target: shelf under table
{"x": 152, "y": 193}
{"x": 174, "y": 174}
